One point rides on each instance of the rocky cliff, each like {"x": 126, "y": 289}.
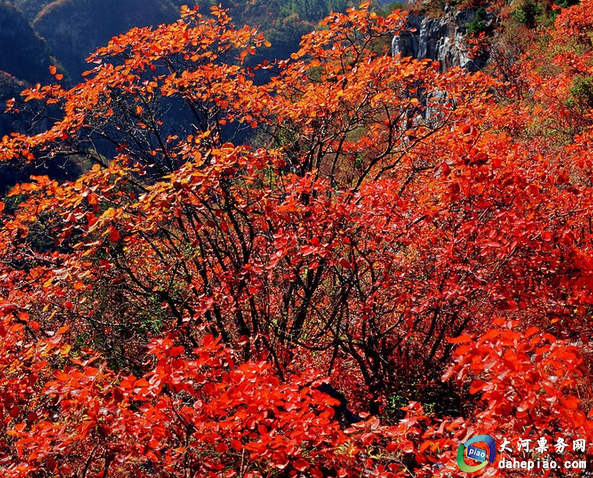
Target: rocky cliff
{"x": 442, "y": 39}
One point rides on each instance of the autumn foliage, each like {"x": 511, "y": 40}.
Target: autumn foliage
{"x": 420, "y": 239}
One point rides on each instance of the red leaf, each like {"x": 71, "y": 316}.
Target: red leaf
{"x": 7, "y": 307}
{"x": 460, "y": 340}
{"x": 175, "y": 351}
{"x": 221, "y": 447}
{"x": 300, "y": 465}
{"x": 113, "y": 234}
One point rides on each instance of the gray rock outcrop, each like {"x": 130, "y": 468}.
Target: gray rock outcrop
{"x": 441, "y": 39}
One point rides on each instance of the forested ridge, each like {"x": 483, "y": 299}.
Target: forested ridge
{"x": 337, "y": 263}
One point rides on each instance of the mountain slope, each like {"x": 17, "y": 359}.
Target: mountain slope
{"x": 75, "y": 28}
{"x": 23, "y": 53}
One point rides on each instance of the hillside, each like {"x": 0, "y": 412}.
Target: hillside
{"x": 71, "y": 29}
{"x": 283, "y": 22}
{"x": 31, "y": 8}
{"x": 23, "y": 53}
{"x": 75, "y": 28}
{"x": 391, "y": 263}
